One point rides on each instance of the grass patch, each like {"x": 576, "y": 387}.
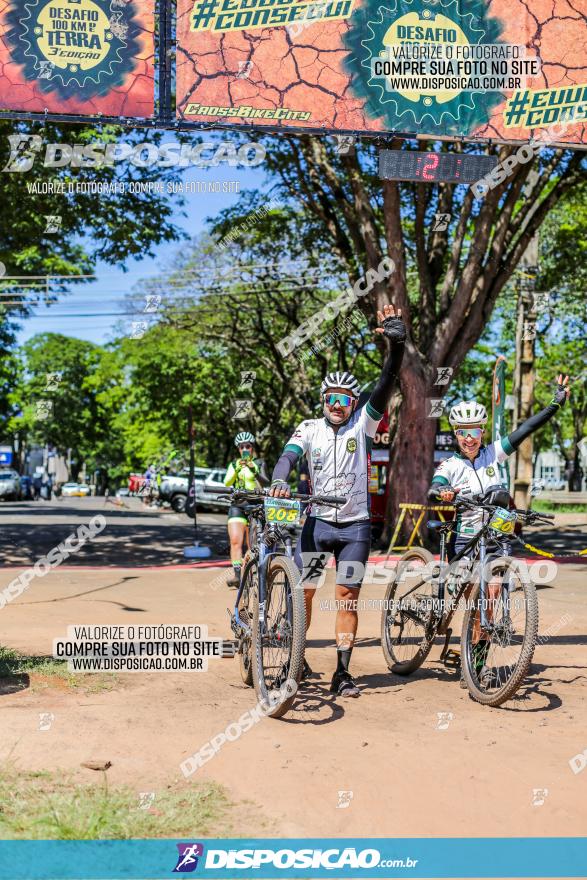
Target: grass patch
{"x": 45, "y": 806}
{"x": 44, "y": 672}
{"x": 558, "y": 507}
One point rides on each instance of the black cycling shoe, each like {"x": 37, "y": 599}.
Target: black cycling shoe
{"x": 343, "y": 685}
{"x": 233, "y": 582}
{"x": 306, "y": 671}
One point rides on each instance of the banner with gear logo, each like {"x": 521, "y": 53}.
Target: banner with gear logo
{"x": 450, "y": 68}
{"x": 77, "y": 56}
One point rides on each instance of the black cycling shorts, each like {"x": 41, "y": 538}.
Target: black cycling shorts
{"x": 349, "y": 543}
{"x": 237, "y": 514}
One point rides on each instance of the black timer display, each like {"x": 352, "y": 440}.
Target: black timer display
{"x": 434, "y": 167}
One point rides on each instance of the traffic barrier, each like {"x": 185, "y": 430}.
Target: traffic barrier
{"x": 548, "y": 554}
{"x": 408, "y": 509}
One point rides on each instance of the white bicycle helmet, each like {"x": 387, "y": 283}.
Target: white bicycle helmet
{"x": 244, "y": 437}
{"x": 341, "y": 379}
{"x": 467, "y": 413}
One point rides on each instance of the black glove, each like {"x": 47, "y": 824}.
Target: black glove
{"x": 394, "y": 329}
{"x": 560, "y": 395}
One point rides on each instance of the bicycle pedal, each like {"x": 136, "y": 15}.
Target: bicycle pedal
{"x": 229, "y": 649}
{"x": 452, "y": 659}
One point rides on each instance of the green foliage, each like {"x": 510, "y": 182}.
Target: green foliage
{"x": 44, "y": 806}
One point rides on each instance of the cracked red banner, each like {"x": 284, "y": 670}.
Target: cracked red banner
{"x": 84, "y": 57}
{"x": 501, "y": 69}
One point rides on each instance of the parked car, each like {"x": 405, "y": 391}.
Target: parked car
{"x": 10, "y": 485}
{"x": 74, "y": 490}
{"x": 206, "y": 500}
{"x": 174, "y": 488}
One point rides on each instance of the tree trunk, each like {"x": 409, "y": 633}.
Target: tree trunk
{"x": 412, "y": 448}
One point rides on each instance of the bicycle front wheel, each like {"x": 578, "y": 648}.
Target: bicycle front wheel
{"x": 245, "y": 612}
{"x": 496, "y": 660}
{"x": 407, "y": 620}
{"x": 279, "y": 638}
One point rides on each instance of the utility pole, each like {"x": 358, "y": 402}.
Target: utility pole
{"x": 524, "y": 377}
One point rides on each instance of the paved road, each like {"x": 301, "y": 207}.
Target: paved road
{"x": 134, "y": 536}
{"x": 140, "y": 536}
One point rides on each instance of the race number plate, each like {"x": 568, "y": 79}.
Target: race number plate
{"x": 283, "y": 510}
{"x": 503, "y": 521}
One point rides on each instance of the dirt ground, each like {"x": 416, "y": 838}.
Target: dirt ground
{"x": 408, "y": 777}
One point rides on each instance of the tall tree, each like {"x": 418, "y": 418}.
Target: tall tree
{"x": 446, "y": 280}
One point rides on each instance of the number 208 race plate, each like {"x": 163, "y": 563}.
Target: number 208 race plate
{"x": 283, "y": 510}
{"x": 503, "y": 521}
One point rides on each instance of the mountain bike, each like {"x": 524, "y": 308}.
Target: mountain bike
{"x": 269, "y": 616}
{"x": 500, "y": 623}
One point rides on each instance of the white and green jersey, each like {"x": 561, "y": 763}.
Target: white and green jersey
{"x": 472, "y": 478}
{"x": 339, "y": 461}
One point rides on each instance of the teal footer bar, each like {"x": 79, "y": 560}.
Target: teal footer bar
{"x": 273, "y": 858}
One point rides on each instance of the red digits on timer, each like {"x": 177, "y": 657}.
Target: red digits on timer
{"x": 431, "y": 164}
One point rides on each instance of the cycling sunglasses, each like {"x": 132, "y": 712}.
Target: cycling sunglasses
{"x": 475, "y": 433}
{"x": 343, "y": 399}
{"x": 242, "y": 446}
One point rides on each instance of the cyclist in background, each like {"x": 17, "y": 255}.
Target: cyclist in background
{"x": 244, "y": 472}
{"x": 337, "y": 448}
{"x": 475, "y": 468}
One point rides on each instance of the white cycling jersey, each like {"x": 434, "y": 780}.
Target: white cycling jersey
{"x": 473, "y": 477}
{"x": 339, "y": 462}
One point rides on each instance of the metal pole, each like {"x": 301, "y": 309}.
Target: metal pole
{"x": 196, "y": 551}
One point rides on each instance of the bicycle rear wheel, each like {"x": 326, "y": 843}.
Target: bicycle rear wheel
{"x": 496, "y": 661}
{"x": 279, "y": 640}
{"x": 407, "y": 622}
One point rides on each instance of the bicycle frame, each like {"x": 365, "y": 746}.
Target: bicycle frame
{"x": 263, "y": 552}
{"x": 479, "y": 540}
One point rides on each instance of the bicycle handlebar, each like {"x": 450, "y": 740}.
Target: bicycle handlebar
{"x": 259, "y": 494}
{"x": 528, "y": 515}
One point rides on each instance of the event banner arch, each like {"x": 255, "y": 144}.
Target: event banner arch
{"x": 86, "y": 57}
{"x": 478, "y": 69}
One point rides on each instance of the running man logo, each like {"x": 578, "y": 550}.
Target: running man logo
{"x": 441, "y": 222}
{"x": 444, "y": 375}
{"x": 435, "y": 407}
{"x": 187, "y": 861}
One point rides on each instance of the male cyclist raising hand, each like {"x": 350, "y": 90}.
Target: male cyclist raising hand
{"x": 337, "y": 449}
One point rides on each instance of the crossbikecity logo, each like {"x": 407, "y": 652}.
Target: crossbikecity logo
{"x": 189, "y": 855}
{"x": 282, "y": 859}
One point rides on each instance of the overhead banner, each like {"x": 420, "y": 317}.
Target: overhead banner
{"x": 497, "y": 69}
{"x": 84, "y": 57}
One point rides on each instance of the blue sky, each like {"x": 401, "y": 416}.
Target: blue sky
{"x": 98, "y": 299}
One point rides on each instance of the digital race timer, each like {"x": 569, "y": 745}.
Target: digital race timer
{"x": 434, "y": 167}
